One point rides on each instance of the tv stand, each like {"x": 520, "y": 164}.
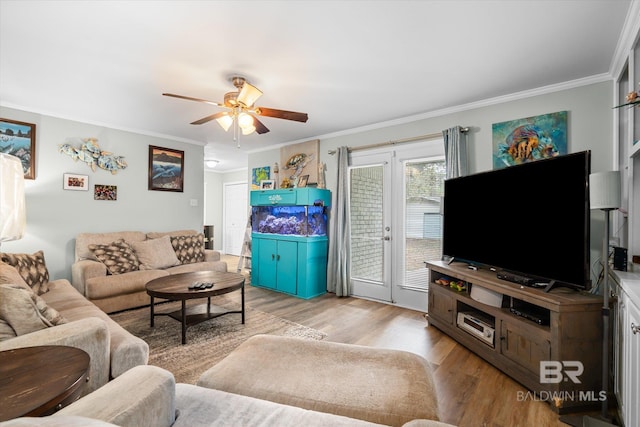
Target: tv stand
{"x": 566, "y": 328}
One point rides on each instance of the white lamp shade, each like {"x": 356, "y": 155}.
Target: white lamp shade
{"x": 225, "y": 121}
{"x": 604, "y": 190}
{"x": 12, "y": 203}
{"x": 249, "y": 94}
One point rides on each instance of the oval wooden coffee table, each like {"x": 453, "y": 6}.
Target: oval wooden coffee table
{"x": 37, "y": 381}
{"x": 175, "y": 287}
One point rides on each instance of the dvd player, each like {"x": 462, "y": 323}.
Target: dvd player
{"x": 538, "y": 318}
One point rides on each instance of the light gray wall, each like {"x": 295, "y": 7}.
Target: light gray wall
{"x": 590, "y": 126}
{"x": 55, "y": 216}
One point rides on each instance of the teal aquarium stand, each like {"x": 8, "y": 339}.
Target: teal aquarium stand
{"x": 289, "y": 240}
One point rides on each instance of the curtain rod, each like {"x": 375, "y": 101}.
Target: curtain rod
{"x": 397, "y": 141}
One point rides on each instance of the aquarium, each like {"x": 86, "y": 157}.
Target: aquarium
{"x": 289, "y": 220}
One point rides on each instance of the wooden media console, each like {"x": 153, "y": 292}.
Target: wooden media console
{"x": 555, "y": 353}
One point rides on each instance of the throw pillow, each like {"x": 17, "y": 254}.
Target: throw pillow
{"x": 155, "y": 254}
{"x": 9, "y": 275}
{"x": 26, "y": 312}
{"x": 32, "y": 268}
{"x": 118, "y": 256}
{"x": 6, "y": 331}
{"x": 189, "y": 249}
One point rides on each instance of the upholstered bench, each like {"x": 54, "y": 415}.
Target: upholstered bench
{"x": 382, "y": 386}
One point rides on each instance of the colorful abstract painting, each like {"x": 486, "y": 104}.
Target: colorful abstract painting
{"x": 258, "y": 175}
{"x": 526, "y": 140}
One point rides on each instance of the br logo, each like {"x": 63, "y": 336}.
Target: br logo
{"x": 553, "y": 372}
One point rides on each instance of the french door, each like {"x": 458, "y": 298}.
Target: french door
{"x": 370, "y": 217}
{"x": 395, "y": 219}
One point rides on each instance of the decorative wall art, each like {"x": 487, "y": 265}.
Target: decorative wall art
{"x": 529, "y": 139}
{"x": 75, "y": 182}
{"x": 297, "y": 159}
{"x": 19, "y": 139}
{"x": 267, "y": 184}
{"x": 258, "y": 175}
{"x": 105, "y": 192}
{"x": 166, "y": 169}
{"x": 89, "y": 152}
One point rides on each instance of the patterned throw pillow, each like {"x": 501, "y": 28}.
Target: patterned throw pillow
{"x": 118, "y": 256}
{"x": 189, "y": 249}
{"x": 32, "y": 268}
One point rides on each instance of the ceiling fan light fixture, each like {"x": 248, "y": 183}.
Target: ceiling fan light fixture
{"x": 248, "y": 130}
{"x": 225, "y": 122}
{"x": 245, "y": 120}
{"x": 249, "y": 94}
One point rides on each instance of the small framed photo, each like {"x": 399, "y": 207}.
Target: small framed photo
{"x": 302, "y": 181}
{"x": 75, "y": 182}
{"x": 267, "y": 184}
{"x": 19, "y": 139}
{"x": 166, "y": 169}
{"x": 105, "y": 192}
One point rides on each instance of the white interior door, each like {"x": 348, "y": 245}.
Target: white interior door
{"x": 370, "y": 220}
{"x": 235, "y": 217}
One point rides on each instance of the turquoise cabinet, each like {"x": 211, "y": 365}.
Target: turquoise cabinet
{"x": 289, "y": 240}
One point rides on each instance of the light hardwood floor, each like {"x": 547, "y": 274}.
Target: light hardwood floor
{"x": 471, "y": 392}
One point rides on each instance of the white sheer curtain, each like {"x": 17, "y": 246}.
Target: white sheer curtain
{"x": 339, "y": 241}
{"x": 455, "y": 152}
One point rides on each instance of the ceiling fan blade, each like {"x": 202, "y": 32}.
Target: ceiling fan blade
{"x": 189, "y": 98}
{"x": 260, "y": 127}
{"x": 282, "y": 114}
{"x": 209, "y": 118}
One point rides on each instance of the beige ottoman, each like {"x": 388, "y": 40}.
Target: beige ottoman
{"x": 389, "y": 387}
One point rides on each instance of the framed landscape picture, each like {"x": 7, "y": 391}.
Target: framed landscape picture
{"x": 166, "y": 169}
{"x": 19, "y": 139}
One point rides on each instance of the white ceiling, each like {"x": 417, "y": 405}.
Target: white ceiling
{"x": 348, "y": 64}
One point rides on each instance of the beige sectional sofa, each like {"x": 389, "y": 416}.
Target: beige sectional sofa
{"x": 112, "y": 350}
{"x": 141, "y": 258}
{"x": 159, "y": 402}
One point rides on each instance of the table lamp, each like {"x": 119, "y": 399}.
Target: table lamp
{"x": 12, "y": 201}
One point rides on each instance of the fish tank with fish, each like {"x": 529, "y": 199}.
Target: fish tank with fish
{"x": 290, "y": 212}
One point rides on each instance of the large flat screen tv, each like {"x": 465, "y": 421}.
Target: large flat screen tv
{"x": 531, "y": 219}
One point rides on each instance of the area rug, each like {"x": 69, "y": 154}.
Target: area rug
{"x": 208, "y": 342}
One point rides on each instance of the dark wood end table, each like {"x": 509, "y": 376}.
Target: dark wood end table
{"x": 175, "y": 287}
{"x": 38, "y": 381}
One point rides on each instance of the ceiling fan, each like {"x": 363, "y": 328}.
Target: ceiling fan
{"x": 241, "y": 110}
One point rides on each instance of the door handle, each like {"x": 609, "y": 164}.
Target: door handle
{"x": 386, "y": 238}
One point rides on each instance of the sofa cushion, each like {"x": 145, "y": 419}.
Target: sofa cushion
{"x": 385, "y": 386}
{"x": 83, "y": 240}
{"x": 155, "y": 253}
{"x": 118, "y": 256}
{"x": 121, "y": 284}
{"x": 174, "y": 233}
{"x": 25, "y": 311}
{"x": 198, "y": 406}
{"x": 31, "y": 267}
{"x": 189, "y": 249}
